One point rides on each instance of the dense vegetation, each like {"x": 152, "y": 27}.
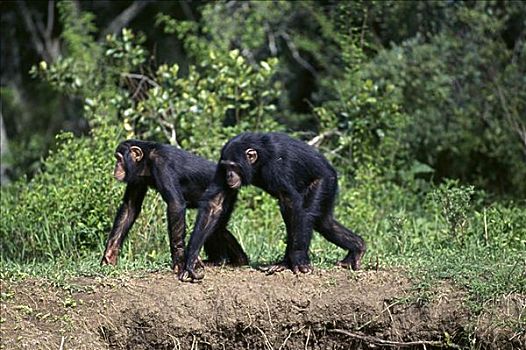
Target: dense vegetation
{"x": 419, "y": 105}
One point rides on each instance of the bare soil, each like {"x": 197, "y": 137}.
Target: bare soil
{"x": 245, "y": 309}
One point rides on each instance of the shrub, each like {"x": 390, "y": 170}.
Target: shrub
{"x": 66, "y": 208}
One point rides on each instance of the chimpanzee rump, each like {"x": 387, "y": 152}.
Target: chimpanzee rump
{"x": 302, "y": 180}
{"x": 181, "y": 178}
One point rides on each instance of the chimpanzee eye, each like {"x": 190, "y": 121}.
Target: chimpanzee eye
{"x": 229, "y": 165}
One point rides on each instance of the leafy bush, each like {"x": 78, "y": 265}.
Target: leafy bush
{"x": 221, "y": 97}
{"x": 453, "y": 202}
{"x": 459, "y": 83}
{"x": 65, "y": 209}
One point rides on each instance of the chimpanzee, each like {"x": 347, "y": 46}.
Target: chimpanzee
{"x": 302, "y": 180}
{"x": 181, "y": 178}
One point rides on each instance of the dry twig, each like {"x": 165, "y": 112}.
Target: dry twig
{"x": 381, "y": 342}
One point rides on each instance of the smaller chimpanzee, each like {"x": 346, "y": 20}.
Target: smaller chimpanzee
{"x": 302, "y": 180}
{"x": 181, "y": 178}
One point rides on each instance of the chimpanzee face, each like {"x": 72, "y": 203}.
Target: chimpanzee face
{"x": 127, "y": 160}
{"x": 234, "y": 170}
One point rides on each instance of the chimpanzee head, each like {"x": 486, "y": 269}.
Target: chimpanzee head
{"x": 129, "y": 156}
{"x": 239, "y": 159}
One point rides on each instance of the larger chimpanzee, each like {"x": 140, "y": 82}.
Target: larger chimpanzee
{"x": 181, "y": 178}
{"x": 293, "y": 172}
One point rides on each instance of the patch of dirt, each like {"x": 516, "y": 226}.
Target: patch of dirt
{"x": 245, "y": 309}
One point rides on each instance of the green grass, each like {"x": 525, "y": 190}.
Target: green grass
{"x": 486, "y": 256}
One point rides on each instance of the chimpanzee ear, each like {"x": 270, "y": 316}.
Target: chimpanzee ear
{"x": 136, "y": 153}
{"x": 252, "y": 155}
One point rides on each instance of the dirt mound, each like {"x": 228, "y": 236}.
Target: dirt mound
{"x": 240, "y": 309}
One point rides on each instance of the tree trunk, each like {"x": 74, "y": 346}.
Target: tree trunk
{"x": 3, "y": 151}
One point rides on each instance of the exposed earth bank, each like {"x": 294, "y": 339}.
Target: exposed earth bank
{"x": 245, "y": 309}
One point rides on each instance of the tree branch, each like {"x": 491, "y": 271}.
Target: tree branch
{"x": 141, "y": 77}
{"x": 31, "y": 27}
{"x": 296, "y": 55}
{"x": 187, "y": 10}
{"x": 50, "y": 18}
{"x": 271, "y": 40}
{"x": 125, "y": 17}
{"x": 317, "y": 140}
{"x": 46, "y": 46}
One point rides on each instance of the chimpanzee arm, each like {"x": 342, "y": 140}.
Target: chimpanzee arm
{"x": 215, "y": 210}
{"x": 126, "y": 215}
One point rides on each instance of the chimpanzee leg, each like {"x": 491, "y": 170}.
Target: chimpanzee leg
{"x": 215, "y": 250}
{"x": 176, "y": 208}
{"x": 222, "y": 247}
{"x": 299, "y": 234}
{"x": 285, "y": 263}
{"x": 344, "y": 238}
{"x": 176, "y": 232}
{"x": 214, "y": 214}
{"x": 126, "y": 215}
{"x": 235, "y": 253}
{"x": 331, "y": 229}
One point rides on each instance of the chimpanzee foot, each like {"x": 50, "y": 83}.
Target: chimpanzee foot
{"x": 179, "y": 266}
{"x": 282, "y": 266}
{"x": 200, "y": 264}
{"x": 178, "y": 261}
{"x": 189, "y": 275}
{"x": 352, "y": 261}
{"x": 343, "y": 264}
{"x": 272, "y": 269}
{"x": 304, "y": 268}
{"x": 109, "y": 257}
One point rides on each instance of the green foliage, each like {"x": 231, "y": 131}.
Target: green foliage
{"x": 126, "y": 52}
{"x": 67, "y": 208}
{"x": 367, "y": 125}
{"x": 73, "y": 199}
{"x": 453, "y": 201}
{"x": 64, "y": 210}
{"x": 221, "y": 97}
{"x": 78, "y": 31}
{"x": 460, "y": 86}
{"x": 91, "y": 69}
{"x": 75, "y": 73}
{"x": 298, "y": 33}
